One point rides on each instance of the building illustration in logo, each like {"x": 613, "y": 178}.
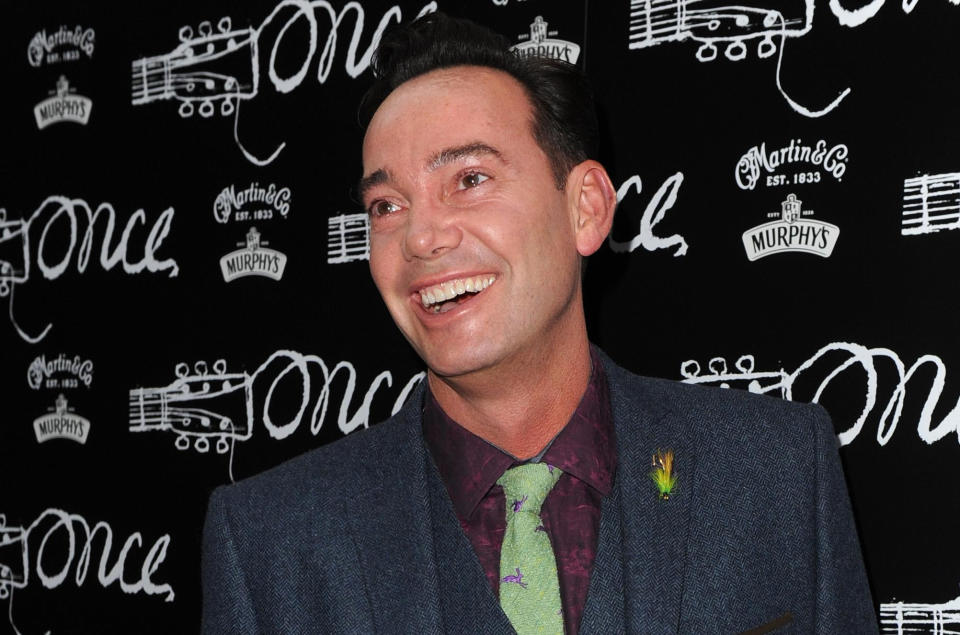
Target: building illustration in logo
{"x": 62, "y": 424}
{"x": 63, "y": 106}
{"x": 539, "y": 43}
{"x": 791, "y": 232}
{"x": 253, "y": 259}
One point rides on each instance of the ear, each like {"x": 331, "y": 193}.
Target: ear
{"x": 592, "y": 200}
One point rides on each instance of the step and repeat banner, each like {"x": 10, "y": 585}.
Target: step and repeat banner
{"x": 186, "y": 298}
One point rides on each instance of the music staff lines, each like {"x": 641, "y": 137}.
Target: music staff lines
{"x": 348, "y": 238}
{"x": 931, "y": 203}
{"x": 900, "y": 618}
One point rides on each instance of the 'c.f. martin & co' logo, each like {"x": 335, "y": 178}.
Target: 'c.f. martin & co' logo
{"x": 62, "y": 424}
{"x": 76, "y": 41}
{"x": 254, "y": 202}
{"x": 540, "y": 44}
{"x": 253, "y": 260}
{"x": 791, "y": 233}
{"x": 59, "y": 372}
{"x": 62, "y": 106}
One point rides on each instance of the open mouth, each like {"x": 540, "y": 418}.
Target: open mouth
{"x": 442, "y": 297}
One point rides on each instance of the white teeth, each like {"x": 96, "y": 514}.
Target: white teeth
{"x": 450, "y": 289}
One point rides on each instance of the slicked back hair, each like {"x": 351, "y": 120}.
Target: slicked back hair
{"x": 564, "y": 120}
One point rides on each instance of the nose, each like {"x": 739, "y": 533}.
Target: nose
{"x": 431, "y": 230}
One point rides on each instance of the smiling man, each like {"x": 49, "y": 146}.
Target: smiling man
{"x": 513, "y": 491}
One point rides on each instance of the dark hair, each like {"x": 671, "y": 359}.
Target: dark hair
{"x": 564, "y": 120}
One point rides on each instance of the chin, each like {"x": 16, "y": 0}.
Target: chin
{"x": 456, "y": 362}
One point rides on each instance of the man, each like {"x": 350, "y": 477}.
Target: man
{"x": 513, "y": 490}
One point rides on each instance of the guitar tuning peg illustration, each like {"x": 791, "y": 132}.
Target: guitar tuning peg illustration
{"x": 185, "y": 110}
{"x": 736, "y": 51}
{"x": 707, "y": 53}
{"x": 690, "y": 368}
{"x": 182, "y": 442}
{"x": 200, "y": 367}
{"x": 205, "y": 29}
{"x": 227, "y": 107}
{"x": 181, "y": 370}
{"x": 225, "y": 24}
{"x": 223, "y": 446}
{"x": 718, "y": 366}
{"x": 745, "y": 363}
{"x": 201, "y": 445}
{"x": 766, "y": 47}
{"x": 220, "y": 366}
{"x": 206, "y": 109}
{"x": 185, "y": 34}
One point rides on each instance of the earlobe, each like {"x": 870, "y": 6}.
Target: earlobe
{"x": 594, "y": 200}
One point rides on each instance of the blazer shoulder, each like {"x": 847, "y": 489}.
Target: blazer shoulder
{"x": 714, "y": 411}
{"x": 361, "y": 459}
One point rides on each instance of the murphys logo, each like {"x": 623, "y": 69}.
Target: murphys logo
{"x": 792, "y": 164}
{"x": 541, "y": 44}
{"x": 60, "y": 372}
{"x": 63, "y": 106}
{"x": 253, "y": 260}
{"x": 62, "y": 424}
{"x": 52, "y": 46}
{"x": 791, "y": 233}
{"x": 255, "y": 202}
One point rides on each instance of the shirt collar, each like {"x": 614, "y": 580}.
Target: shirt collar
{"x": 470, "y": 466}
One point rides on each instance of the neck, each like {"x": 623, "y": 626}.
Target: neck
{"x": 521, "y": 404}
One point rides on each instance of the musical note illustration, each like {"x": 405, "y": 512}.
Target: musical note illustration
{"x": 205, "y": 69}
{"x": 14, "y": 253}
{"x": 931, "y": 203}
{"x": 192, "y": 407}
{"x": 348, "y": 238}
{"x": 759, "y": 382}
{"x": 902, "y": 618}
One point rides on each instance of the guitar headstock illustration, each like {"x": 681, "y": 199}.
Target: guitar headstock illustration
{"x": 714, "y": 22}
{"x": 13, "y": 253}
{"x": 208, "y": 67}
{"x": 201, "y": 405}
{"x": 744, "y": 377}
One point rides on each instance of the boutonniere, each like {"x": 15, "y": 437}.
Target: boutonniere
{"x": 662, "y": 473}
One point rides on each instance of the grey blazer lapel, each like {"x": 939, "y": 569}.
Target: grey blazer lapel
{"x": 654, "y": 530}
{"x": 389, "y": 517}
{"x": 467, "y": 602}
{"x": 604, "y": 609}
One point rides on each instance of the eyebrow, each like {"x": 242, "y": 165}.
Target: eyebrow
{"x": 450, "y": 155}
{"x": 377, "y": 177}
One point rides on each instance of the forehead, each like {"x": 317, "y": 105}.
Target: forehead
{"x": 446, "y": 108}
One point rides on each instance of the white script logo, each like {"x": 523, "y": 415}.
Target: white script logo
{"x": 255, "y": 202}
{"x": 539, "y": 44}
{"x": 63, "y": 105}
{"x": 253, "y": 260}
{"x": 832, "y": 161}
{"x": 74, "y": 42}
{"x": 791, "y": 233}
{"x": 41, "y": 372}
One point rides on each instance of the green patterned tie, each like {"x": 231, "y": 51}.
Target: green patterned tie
{"x": 529, "y": 589}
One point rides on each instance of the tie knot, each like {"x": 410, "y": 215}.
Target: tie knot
{"x": 526, "y": 486}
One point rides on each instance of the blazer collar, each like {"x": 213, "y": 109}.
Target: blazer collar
{"x": 654, "y": 531}
{"x": 389, "y": 518}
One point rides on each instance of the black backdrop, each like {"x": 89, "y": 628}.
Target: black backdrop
{"x": 151, "y": 153}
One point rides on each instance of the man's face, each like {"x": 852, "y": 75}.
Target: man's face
{"x": 472, "y": 245}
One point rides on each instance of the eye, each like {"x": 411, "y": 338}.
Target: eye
{"x": 381, "y": 207}
{"x": 471, "y": 180}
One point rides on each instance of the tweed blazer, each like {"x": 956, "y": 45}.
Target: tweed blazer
{"x": 360, "y": 536}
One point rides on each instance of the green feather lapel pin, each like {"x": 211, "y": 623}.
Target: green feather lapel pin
{"x": 662, "y": 474}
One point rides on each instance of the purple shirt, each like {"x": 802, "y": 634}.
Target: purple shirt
{"x": 584, "y": 450}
